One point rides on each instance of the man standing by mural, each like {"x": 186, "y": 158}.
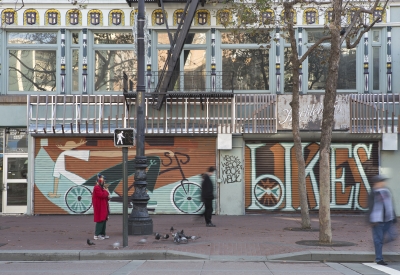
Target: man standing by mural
{"x": 100, "y": 199}
{"x": 381, "y": 215}
{"x": 207, "y": 195}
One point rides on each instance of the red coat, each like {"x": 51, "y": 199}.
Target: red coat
{"x": 100, "y": 203}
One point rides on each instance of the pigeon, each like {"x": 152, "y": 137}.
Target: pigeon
{"x": 142, "y": 241}
{"x": 194, "y": 237}
{"x": 89, "y": 242}
{"x": 116, "y": 245}
{"x": 166, "y": 236}
{"x": 158, "y": 236}
{"x": 172, "y": 229}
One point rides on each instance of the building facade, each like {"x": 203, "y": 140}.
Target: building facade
{"x": 62, "y": 68}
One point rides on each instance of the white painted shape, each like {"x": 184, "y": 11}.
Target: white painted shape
{"x": 44, "y": 142}
{"x": 389, "y": 141}
{"x": 383, "y": 268}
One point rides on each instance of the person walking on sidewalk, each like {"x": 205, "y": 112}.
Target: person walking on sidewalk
{"x": 381, "y": 215}
{"x": 101, "y": 211}
{"x": 207, "y": 195}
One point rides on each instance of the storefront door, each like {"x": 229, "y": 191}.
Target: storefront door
{"x": 15, "y": 185}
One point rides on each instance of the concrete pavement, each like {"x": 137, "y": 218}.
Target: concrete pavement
{"x": 236, "y": 238}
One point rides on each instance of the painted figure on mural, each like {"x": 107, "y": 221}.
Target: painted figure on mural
{"x": 207, "y": 195}
{"x": 101, "y": 209}
{"x": 69, "y": 150}
{"x": 381, "y": 216}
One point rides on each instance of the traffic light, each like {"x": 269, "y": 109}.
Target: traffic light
{"x": 124, "y": 137}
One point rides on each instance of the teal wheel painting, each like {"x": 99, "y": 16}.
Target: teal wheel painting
{"x": 79, "y": 199}
{"x": 187, "y": 197}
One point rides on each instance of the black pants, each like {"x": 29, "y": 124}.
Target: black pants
{"x": 208, "y": 210}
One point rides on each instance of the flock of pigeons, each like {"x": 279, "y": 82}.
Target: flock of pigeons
{"x": 179, "y": 237}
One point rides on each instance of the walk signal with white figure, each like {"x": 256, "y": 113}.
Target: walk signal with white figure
{"x": 124, "y": 137}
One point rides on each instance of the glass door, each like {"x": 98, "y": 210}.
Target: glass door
{"x": 15, "y": 184}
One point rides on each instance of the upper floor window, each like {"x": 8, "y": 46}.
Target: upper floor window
{"x": 158, "y": 18}
{"x": 267, "y": 16}
{"x": 9, "y": 17}
{"x": 290, "y": 17}
{"x": 179, "y": 17}
{"x": 352, "y": 16}
{"x": 95, "y": 17}
{"x": 116, "y": 18}
{"x": 74, "y": 17}
{"x": 310, "y": 17}
{"x": 223, "y": 17}
{"x": 329, "y": 15}
{"x": 52, "y": 17}
{"x": 202, "y": 17}
{"x": 31, "y": 17}
{"x": 378, "y": 13}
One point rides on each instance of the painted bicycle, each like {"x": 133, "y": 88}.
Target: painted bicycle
{"x": 79, "y": 198}
{"x": 186, "y": 196}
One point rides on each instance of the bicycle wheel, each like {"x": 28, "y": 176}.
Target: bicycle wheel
{"x": 78, "y": 199}
{"x": 269, "y": 192}
{"x": 187, "y": 197}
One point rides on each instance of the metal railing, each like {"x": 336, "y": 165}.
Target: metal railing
{"x": 93, "y": 114}
{"x": 188, "y": 114}
{"x": 374, "y": 113}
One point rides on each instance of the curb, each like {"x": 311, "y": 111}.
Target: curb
{"x": 85, "y": 255}
{"x": 333, "y": 256}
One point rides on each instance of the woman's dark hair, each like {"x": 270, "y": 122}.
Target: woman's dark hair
{"x": 211, "y": 169}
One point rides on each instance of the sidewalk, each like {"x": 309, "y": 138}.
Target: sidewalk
{"x": 249, "y": 237}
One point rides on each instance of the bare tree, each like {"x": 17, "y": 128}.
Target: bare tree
{"x": 246, "y": 18}
{"x": 339, "y": 32}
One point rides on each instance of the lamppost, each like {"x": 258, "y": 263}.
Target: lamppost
{"x": 139, "y": 221}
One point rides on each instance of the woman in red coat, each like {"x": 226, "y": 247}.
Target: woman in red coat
{"x": 100, "y": 199}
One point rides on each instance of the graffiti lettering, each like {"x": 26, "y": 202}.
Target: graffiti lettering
{"x": 231, "y": 169}
{"x": 275, "y": 186}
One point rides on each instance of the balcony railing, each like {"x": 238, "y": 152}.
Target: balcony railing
{"x": 183, "y": 113}
{"x": 374, "y": 113}
{"x": 93, "y": 114}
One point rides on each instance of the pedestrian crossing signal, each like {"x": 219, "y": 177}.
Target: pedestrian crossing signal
{"x": 124, "y": 137}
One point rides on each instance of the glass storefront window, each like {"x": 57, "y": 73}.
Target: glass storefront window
{"x": 32, "y": 70}
{"x": 250, "y": 67}
{"x": 261, "y": 37}
{"x": 32, "y": 38}
{"x": 196, "y": 38}
{"x": 75, "y": 70}
{"x": 113, "y": 38}
{"x": 109, "y": 68}
{"x": 288, "y": 70}
{"x": 16, "y": 141}
{"x": 317, "y": 70}
{"x": 17, "y": 194}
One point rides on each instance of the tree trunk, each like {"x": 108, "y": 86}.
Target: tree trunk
{"x": 305, "y": 216}
{"x": 325, "y": 231}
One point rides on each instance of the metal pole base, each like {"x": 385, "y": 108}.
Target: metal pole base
{"x": 140, "y": 227}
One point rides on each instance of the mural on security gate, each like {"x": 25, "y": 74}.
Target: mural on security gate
{"x": 272, "y": 177}
{"x": 66, "y": 170}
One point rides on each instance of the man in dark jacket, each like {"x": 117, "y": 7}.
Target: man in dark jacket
{"x": 381, "y": 215}
{"x": 207, "y": 195}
